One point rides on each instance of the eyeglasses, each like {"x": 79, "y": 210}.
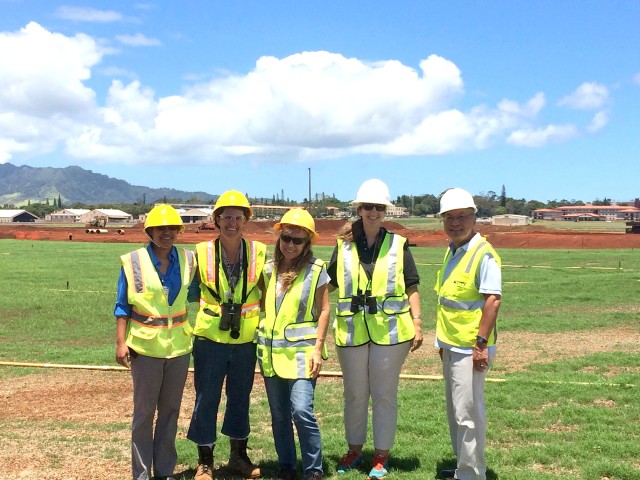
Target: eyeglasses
{"x": 370, "y": 206}
{"x": 231, "y": 218}
{"x": 459, "y": 218}
{"x": 294, "y": 240}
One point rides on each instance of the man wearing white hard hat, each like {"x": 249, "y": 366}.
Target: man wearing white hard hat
{"x": 469, "y": 288}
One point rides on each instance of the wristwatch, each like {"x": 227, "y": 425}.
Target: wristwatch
{"x": 480, "y": 339}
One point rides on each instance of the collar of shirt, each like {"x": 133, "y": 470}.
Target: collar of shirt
{"x": 463, "y": 248}
{"x": 173, "y": 256}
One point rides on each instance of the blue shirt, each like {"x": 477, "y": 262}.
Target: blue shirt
{"x": 172, "y": 280}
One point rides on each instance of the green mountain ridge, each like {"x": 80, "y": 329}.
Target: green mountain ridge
{"x": 20, "y": 185}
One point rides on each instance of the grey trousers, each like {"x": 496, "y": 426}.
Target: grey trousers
{"x": 158, "y": 384}
{"x": 466, "y": 413}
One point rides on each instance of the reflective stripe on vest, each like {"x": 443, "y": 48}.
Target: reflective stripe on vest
{"x": 288, "y": 353}
{"x": 155, "y": 328}
{"x": 460, "y": 304}
{"x": 392, "y": 323}
{"x": 208, "y": 317}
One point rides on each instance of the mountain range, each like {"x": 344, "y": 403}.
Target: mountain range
{"x": 20, "y": 185}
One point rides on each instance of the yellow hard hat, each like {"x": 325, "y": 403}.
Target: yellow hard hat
{"x": 163, "y": 214}
{"x": 233, "y": 198}
{"x": 300, "y": 218}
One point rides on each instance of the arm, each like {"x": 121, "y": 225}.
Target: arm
{"x": 414, "y": 306}
{"x": 322, "y": 307}
{"x": 122, "y": 351}
{"x": 487, "y": 325}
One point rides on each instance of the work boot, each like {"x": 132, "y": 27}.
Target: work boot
{"x": 239, "y": 462}
{"x": 205, "y": 463}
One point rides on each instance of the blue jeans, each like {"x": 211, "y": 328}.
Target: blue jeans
{"x": 292, "y": 400}
{"x": 212, "y": 363}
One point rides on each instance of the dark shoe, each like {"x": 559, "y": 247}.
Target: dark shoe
{"x": 286, "y": 473}
{"x": 447, "y": 473}
{"x": 314, "y": 476}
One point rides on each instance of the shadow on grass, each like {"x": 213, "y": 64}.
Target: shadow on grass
{"x": 450, "y": 464}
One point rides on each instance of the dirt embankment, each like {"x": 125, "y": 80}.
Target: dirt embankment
{"x": 529, "y": 236}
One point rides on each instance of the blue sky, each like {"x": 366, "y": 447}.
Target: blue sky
{"x": 542, "y": 97}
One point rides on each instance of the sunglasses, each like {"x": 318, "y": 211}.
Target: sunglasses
{"x": 294, "y": 240}
{"x": 370, "y": 206}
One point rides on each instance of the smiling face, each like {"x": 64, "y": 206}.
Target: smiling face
{"x": 372, "y": 214}
{"x": 459, "y": 225}
{"x": 292, "y": 242}
{"x": 231, "y": 222}
{"x": 163, "y": 237}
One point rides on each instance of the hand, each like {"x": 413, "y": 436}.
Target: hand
{"x": 316, "y": 363}
{"x": 417, "y": 340}
{"x": 122, "y": 356}
{"x": 480, "y": 358}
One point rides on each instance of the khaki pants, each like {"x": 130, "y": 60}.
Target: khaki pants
{"x": 466, "y": 413}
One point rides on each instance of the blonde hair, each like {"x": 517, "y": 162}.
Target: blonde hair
{"x": 288, "y": 275}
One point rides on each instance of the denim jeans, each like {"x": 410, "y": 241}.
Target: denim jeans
{"x": 212, "y": 362}
{"x": 292, "y": 401}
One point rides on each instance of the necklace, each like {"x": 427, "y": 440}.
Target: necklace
{"x": 232, "y": 270}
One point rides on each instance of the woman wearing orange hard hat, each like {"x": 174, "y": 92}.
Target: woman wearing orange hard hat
{"x": 229, "y": 287}
{"x": 153, "y": 338}
{"x": 377, "y": 323}
{"x": 291, "y": 342}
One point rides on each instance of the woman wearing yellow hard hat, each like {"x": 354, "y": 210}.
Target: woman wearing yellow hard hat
{"x": 377, "y": 323}
{"x": 291, "y": 342}
{"x": 153, "y": 338}
{"x": 229, "y": 287}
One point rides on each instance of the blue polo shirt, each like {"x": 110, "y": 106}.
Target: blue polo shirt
{"x": 172, "y": 280}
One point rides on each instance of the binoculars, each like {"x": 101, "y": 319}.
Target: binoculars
{"x": 359, "y": 301}
{"x": 230, "y": 319}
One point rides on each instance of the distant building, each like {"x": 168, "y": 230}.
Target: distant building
{"x": 580, "y": 213}
{"x": 510, "y": 219}
{"x": 112, "y": 215}
{"x": 17, "y": 216}
{"x": 67, "y": 215}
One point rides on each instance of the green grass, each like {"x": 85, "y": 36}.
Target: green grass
{"x": 565, "y": 417}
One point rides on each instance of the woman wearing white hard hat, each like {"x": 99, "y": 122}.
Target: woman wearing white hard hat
{"x": 377, "y": 323}
{"x": 153, "y": 338}
{"x": 291, "y": 342}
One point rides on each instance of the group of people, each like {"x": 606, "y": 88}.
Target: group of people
{"x": 275, "y": 312}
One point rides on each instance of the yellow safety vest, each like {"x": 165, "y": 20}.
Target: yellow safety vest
{"x": 209, "y": 314}
{"x": 155, "y": 328}
{"x": 287, "y": 339}
{"x": 460, "y": 304}
{"x": 392, "y": 324}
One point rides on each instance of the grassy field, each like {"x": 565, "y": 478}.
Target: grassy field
{"x": 562, "y": 399}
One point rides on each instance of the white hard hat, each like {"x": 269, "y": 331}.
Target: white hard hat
{"x": 456, "y": 198}
{"x": 373, "y": 191}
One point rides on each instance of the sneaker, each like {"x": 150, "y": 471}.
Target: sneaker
{"x": 378, "y": 467}
{"x": 350, "y": 460}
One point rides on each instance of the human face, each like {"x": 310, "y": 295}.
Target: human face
{"x": 288, "y": 235}
{"x": 372, "y": 214}
{"x": 459, "y": 225}
{"x": 164, "y": 236}
{"x": 231, "y": 221}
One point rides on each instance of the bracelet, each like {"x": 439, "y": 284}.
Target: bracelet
{"x": 416, "y": 317}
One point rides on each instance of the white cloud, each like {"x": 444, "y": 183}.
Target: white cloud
{"x": 138, "y": 40}
{"x": 588, "y": 96}
{"x": 86, "y": 14}
{"x": 307, "y": 105}
{"x": 542, "y": 136}
{"x": 598, "y": 122}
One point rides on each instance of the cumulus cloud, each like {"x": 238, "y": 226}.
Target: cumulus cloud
{"x": 86, "y": 14}
{"x": 542, "y": 136}
{"x": 598, "y": 122}
{"x": 588, "y": 96}
{"x": 307, "y": 105}
{"x": 138, "y": 40}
